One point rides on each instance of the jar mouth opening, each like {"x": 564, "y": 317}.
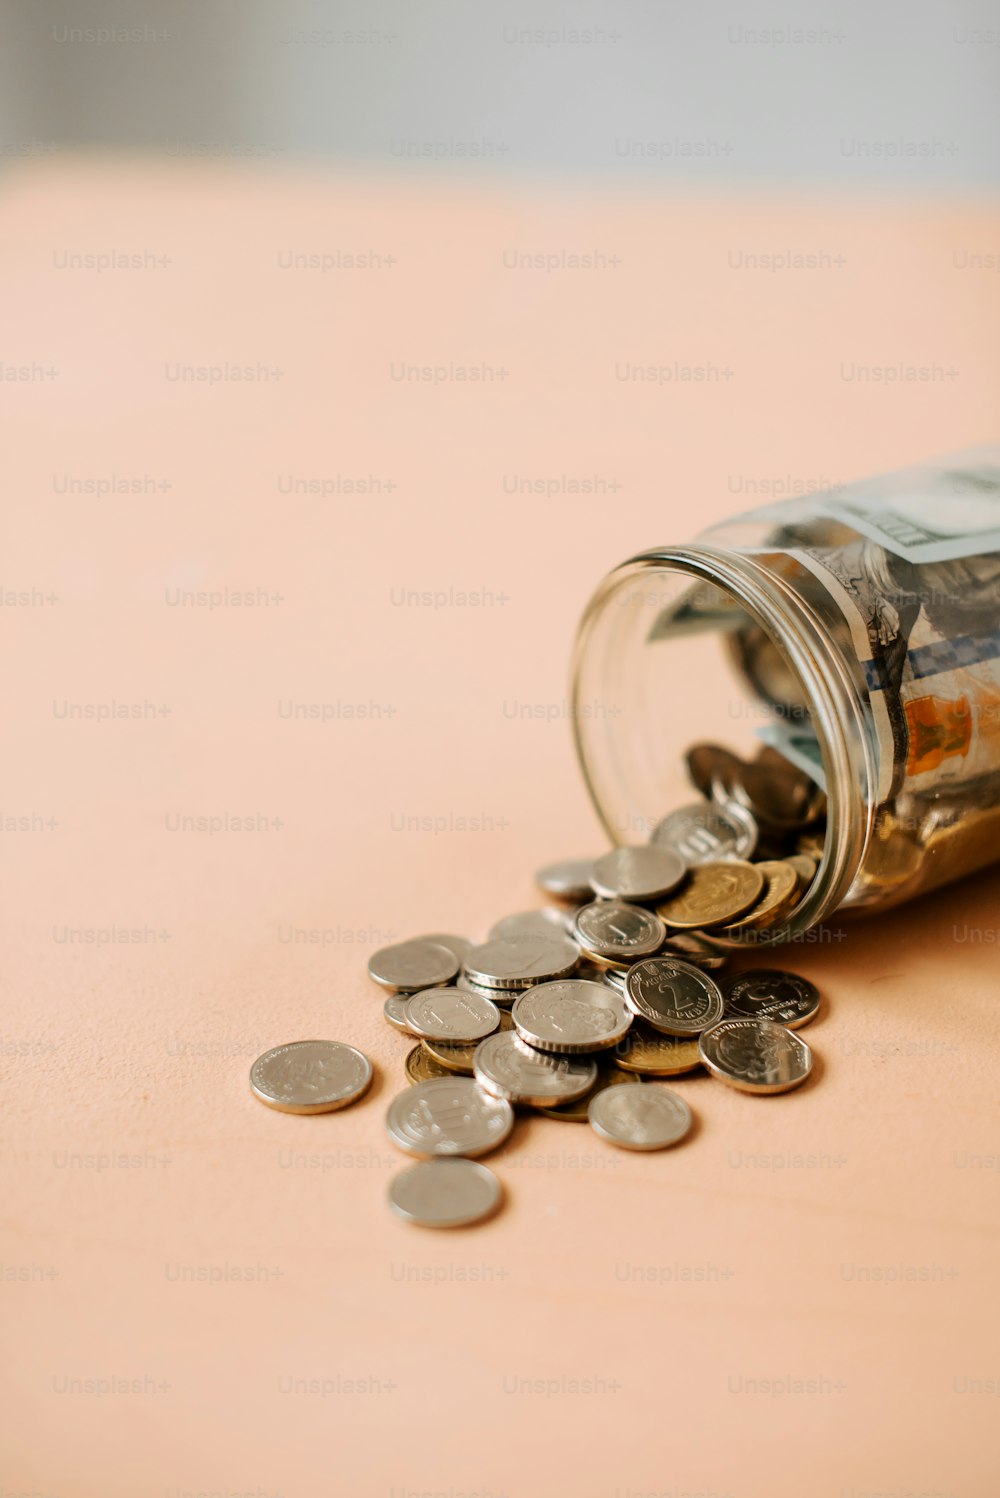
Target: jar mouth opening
{"x": 800, "y": 640}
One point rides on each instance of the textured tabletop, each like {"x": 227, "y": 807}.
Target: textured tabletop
{"x": 286, "y": 628}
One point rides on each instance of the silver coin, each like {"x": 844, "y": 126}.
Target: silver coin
{"x": 448, "y": 1116}
{"x": 445, "y": 1193}
{"x": 410, "y": 965}
{"x": 674, "y": 997}
{"x": 567, "y": 880}
{"x": 704, "y": 832}
{"x": 571, "y": 1016}
{"x": 311, "y": 1076}
{"x": 458, "y": 1058}
{"x": 457, "y": 945}
{"x": 768, "y": 993}
{"x": 643, "y": 873}
{"x": 755, "y": 1055}
{"x": 394, "y": 1010}
{"x": 533, "y": 923}
{"x": 614, "y": 977}
{"x": 509, "y": 1068}
{"x": 640, "y": 1118}
{"x": 451, "y": 1014}
{"x": 517, "y": 961}
{"x": 501, "y": 997}
{"x": 613, "y": 929}
{"x": 696, "y": 947}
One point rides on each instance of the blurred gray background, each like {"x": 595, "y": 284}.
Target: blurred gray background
{"x": 886, "y": 95}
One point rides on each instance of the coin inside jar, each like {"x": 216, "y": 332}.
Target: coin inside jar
{"x": 780, "y": 894}
{"x": 673, "y": 996}
{"x": 705, "y": 832}
{"x": 411, "y": 965}
{"x": 571, "y": 1015}
{"x": 756, "y": 1055}
{"x": 637, "y": 873}
{"x": 714, "y": 895}
{"x": 445, "y": 1193}
{"x": 451, "y": 1014}
{"x": 642, "y": 1118}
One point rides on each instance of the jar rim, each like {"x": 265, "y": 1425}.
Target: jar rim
{"x": 835, "y": 708}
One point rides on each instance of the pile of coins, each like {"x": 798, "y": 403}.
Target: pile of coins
{"x": 565, "y": 1009}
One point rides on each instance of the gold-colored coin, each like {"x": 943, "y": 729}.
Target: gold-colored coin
{"x": 714, "y": 895}
{"x": 421, "y": 1067}
{"x": 456, "y": 1057}
{"x": 781, "y": 893}
{"x": 812, "y": 844}
{"x": 576, "y": 1111}
{"x": 646, "y": 1051}
{"x": 805, "y": 868}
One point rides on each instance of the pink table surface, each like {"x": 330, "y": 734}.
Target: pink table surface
{"x": 201, "y": 1295}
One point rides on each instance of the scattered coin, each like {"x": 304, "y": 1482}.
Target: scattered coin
{"x": 445, "y": 1193}
{"x": 715, "y": 894}
{"x": 643, "y": 873}
{"x": 768, "y": 993}
{"x": 456, "y": 945}
{"x": 640, "y": 1118}
{"x": 567, "y": 880}
{"x": 571, "y": 1015}
{"x": 458, "y": 1057}
{"x": 448, "y": 1116}
{"x": 451, "y": 1014}
{"x": 612, "y": 929}
{"x": 420, "y": 1066}
{"x": 394, "y": 1010}
{"x": 705, "y": 833}
{"x": 673, "y": 996}
{"x": 608, "y": 1075}
{"x": 311, "y": 1076}
{"x": 696, "y": 947}
{"x": 518, "y": 961}
{"x": 533, "y": 923}
{"x": 756, "y": 1055}
{"x": 411, "y": 965}
{"x": 509, "y": 1068}
{"x": 652, "y": 1054}
{"x": 781, "y": 894}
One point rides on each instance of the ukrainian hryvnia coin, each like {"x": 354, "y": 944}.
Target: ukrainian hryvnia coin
{"x": 451, "y": 1014}
{"x": 769, "y": 994}
{"x": 410, "y": 965}
{"x": 640, "y": 1118}
{"x": 445, "y": 1193}
{"x": 645, "y": 873}
{"x": 517, "y": 961}
{"x": 673, "y": 996}
{"x": 651, "y": 1054}
{"x": 781, "y": 893}
{"x": 756, "y": 1055}
{"x": 705, "y": 833}
{"x": 533, "y": 923}
{"x": 615, "y": 931}
{"x": 458, "y": 1058}
{"x": 509, "y": 1068}
{"x": 311, "y": 1076}
{"x": 420, "y": 1066}
{"x": 448, "y": 1116}
{"x": 394, "y": 1010}
{"x": 457, "y": 945}
{"x": 568, "y": 880}
{"x": 715, "y": 894}
{"x": 696, "y": 947}
{"x": 608, "y": 1075}
{"x": 804, "y": 866}
{"x": 572, "y": 1015}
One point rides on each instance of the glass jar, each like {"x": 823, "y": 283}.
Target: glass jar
{"x": 858, "y": 632}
